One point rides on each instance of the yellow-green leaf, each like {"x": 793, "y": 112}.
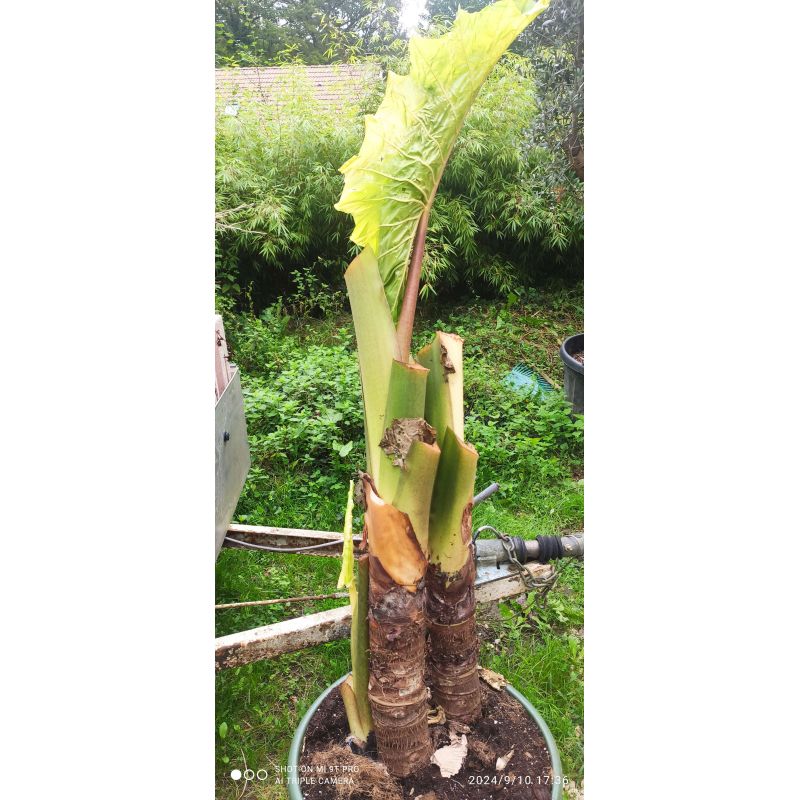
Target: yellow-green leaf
{"x": 346, "y": 573}
{"x": 407, "y": 142}
{"x": 444, "y": 397}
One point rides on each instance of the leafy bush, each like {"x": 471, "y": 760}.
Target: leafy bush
{"x": 309, "y": 414}
{"x": 276, "y": 182}
{"x": 537, "y": 432}
{"x": 497, "y": 217}
{"x": 497, "y": 222}
{"x": 304, "y": 416}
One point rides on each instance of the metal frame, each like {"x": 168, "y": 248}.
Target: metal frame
{"x": 231, "y": 455}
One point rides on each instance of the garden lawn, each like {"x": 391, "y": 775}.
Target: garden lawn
{"x": 303, "y": 408}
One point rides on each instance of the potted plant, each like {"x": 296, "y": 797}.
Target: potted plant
{"x": 413, "y": 597}
{"x": 572, "y": 354}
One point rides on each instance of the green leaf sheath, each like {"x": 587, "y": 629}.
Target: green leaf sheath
{"x": 359, "y": 643}
{"x": 354, "y": 689}
{"x": 393, "y": 179}
{"x": 444, "y": 398}
{"x": 346, "y": 572}
{"x": 450, "y": 584}
{"x": 415, "y": 488}
{"x": 453, "y": 489}
{"x": 406, "y": 400}
{"x": 377, "y": 347}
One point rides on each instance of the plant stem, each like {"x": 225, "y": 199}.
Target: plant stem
{"x": 405, "y": 322}
{"x": 453, "y": 655}
{"x": 397, "y": 692}
{"x": 359, "y": 644}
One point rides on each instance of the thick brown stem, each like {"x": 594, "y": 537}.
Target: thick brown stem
{"x": 453, "y": 655}
{"x": 397, "y": 693}
{"x": 405, "y": 322}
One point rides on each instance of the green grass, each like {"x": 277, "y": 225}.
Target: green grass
{"x": 302, "y": 398}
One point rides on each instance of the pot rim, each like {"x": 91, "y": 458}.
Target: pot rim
{"x": 293, "y": 786}
{"x": 566, "y": 357}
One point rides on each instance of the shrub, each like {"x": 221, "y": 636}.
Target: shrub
{"x": 498, "y": 222}
{"x": 304, "y": 417}
{"x": 276, "y": 181}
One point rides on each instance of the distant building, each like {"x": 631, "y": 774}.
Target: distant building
{"x": 332, "y": 85}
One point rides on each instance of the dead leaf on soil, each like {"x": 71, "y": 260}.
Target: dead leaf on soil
{"x": 436, "y": 716}
{"x": 503, "y": 761}
{"x": 450, "y": 759}
{"x": 367, "y": 777}
{"x": 494, "y": 679}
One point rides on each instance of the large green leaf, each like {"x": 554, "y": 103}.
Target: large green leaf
{"x": 407, "y": 142}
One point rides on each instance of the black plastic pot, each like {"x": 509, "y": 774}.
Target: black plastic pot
{"x": 296, "y": 749}
{"x": 573, "y": 371}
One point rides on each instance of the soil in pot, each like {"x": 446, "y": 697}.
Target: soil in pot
{"x": 504, "y": 726}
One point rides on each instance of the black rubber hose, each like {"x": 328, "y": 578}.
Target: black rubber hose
{"x": 519, "y": 549}
{"x": 550, "y": 548}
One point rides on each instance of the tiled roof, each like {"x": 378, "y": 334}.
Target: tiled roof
{"x": 335, "y": 85}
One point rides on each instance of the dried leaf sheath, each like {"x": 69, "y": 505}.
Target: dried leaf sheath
{"x": 397, "y": 692}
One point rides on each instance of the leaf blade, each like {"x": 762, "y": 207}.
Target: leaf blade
{"x": 392, "y": 181}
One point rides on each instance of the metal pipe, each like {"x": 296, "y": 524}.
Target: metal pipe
{"x": 485, "y": 494}
{"x": 491, "y": 551}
